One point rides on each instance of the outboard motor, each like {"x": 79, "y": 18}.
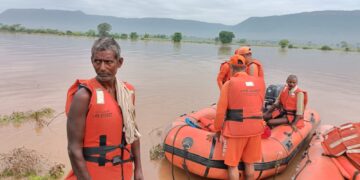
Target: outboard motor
{"x": 272, "y": 92}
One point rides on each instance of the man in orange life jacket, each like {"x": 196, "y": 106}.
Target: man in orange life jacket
{"x": 224, "y": 73}
{"x": 253, "y": 66}
{"x": 239, "y": 118}
{"x": 96, "y": 118}
{"x": 290, "y": 103}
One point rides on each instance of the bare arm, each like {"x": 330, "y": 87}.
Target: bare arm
{"x": 75, "y": 132}
{"x": 253, "y": 70}
{"x": 135, "y": 149}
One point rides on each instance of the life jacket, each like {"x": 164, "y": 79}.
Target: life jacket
{"x": 245, "y": 100}
{"x": 342, "y": 145}
{"x": 228, "y": 74}
{"x": 105, "y": 150}
{"x": 339, "y": 140}
{"x": 258, "y": 65}
{"x": 289, "y": 102}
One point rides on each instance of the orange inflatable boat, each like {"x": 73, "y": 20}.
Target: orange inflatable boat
{"x": 186, "y": 145}
{"x": 316, "y": 165}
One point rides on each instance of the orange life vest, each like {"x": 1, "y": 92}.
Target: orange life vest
{"x": 339, "y": 140}
{"x": 228, "y": 74}
{"x": 289, "y": 102}
{"x": 342, "y": 144}
{"x": 258, "y": 65}
{"x": 105, "y": 151}
{"x": 244, "y": 113}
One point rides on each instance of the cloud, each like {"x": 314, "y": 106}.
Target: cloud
{"x": 216, "y": 11}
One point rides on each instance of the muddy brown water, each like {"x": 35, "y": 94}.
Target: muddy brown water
{"x": 170, "y": 80}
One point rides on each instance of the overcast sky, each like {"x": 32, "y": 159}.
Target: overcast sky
{"x": 216, "y": 11}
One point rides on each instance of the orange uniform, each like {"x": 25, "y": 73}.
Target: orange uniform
{"x": 289, "y": 101}
{"x": 254, "y": 68}
{"x": 224, "y": 74}
{"x": 239, "y": 117}
{"x": 105, "y": 151}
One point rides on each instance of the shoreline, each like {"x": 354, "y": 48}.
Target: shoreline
{"x": 18, "y": 29}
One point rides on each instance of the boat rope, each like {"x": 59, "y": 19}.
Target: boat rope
{"x": 277, "y": 165}
{"x": 173, "y": 150}
{"x": 308, "y": 161}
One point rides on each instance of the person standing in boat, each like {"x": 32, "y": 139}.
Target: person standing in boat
{"x": 253, "y": 66}
{"x": 239, "y": 119}
{"x": 289, "y": 106}
{"x": 224, "y": 73}
{"x": 103, "y": 138}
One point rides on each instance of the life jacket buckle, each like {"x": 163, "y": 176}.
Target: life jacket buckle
{"x": 117, "y": 160}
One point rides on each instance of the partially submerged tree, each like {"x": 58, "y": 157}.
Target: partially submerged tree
{"x": 177, "y": 37}
{"x": 226, "y": 37}
{"x": 104, "y": 29}
{"x": 283, "y": 43}
{"x": 134, "y": 36}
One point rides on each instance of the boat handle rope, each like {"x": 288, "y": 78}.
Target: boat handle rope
{"x": 173, "y": 150}
{"x": 306, "y": 155}
{"x": 277, "y": 165}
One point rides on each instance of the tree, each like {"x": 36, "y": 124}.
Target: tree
{"x": 90, "y": 33}
{"x": 177, "y": 37}
{"x": 104, "y": 29}
{"x": 123, "y": 36}
{"x": 226, "y": 37}
{"x": 133, "y": 35}
{"x": 345, "y": 45}
{"x": 283, "y": 43}
{"x": 326, "y": 48}
{"x": 146, "y": 36}
{"x": 242, "y": 41}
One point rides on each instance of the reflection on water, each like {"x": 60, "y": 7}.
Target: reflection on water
{"x": 225, "y": 50}
{"x": 170, "y": 80}
{"x": 177, "y": 47}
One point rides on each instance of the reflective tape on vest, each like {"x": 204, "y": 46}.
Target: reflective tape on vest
{"x": 340, "y": 153}
{"x": 338, "y": 142}
{"x": 346, "y": 126}
{"x": 353, "y": 151}
{"x": 350, "y": 137}
{"x": 353, "y": 146}
{"x": 100, "y": 96}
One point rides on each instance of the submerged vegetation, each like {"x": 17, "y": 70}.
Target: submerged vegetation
{"x": 17, "y": 118}
{"x": 25, "y": 163}
{"x": 157, "y": 152}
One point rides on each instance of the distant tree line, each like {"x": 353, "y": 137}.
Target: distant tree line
{"x": 103, "y": 29}
{"x": 225, "y": 37}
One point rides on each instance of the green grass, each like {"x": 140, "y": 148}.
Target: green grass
{"x": 17, "y": 117}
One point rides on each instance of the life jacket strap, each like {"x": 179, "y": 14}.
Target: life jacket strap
{"x": 237, "y": 115}
{"x": 102, "y": 149}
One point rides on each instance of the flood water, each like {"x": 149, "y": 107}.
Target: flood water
{"x": 170, "y": 80}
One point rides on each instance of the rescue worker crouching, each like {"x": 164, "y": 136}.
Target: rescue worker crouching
{"x": 239, "y": 119}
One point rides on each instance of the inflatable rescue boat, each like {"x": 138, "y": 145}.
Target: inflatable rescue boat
{"x": 187, "y": 147}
